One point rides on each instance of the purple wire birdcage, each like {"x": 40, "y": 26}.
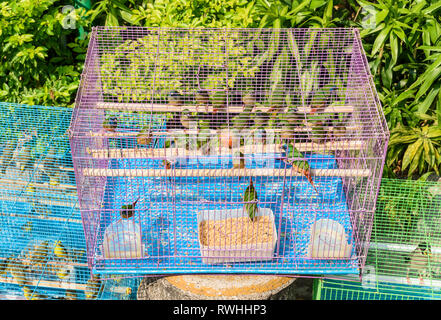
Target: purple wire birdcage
{"x": 227, "y": 151}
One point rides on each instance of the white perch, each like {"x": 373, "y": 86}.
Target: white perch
{"x": 48, "y": 284}
{"x": 96, "y": 172}
{"x": 156, "y": 107}
{"x": 182, "y": 152}
{"x": 178, "y": 132}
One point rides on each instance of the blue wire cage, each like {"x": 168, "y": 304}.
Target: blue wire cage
{"x": 39, "y": 208}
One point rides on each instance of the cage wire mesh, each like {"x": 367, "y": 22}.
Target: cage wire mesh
{"x": 42, "y": 245}
{"x": 227, "y": 150}
{"x": 404, "y": 258}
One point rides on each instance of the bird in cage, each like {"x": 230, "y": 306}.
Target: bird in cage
{"x": 239, "y": 162}
{"x": 40, "y": 253}
{"x": 250, "y": 195}
{"x": 302, "y": 166}
{"x": 202, "y": 98}
{"x": 60, "y": 251}
{"x": 71, "y": 294}
{"x": 27, "y": 227}
{"x": 110, "y": 124}
{"x": 4, "y": 265}
{"x": 63, "y": 271}
{"x": 175, "y": 98}
{"x": 186, "y": 118}
{"x": 32, "y": 295}
{"x": 260, "y": 119}
{"x": 7, "y": 155}
{"x": 219, "y": 101}
{"x": 128, "y": 210}
{"x": 144, "y": 137}
{"x": 418, "y": 261}
{"x": 25, "y": 159}
{"x": 322, "y": 98}
{"x": 93, "y": 289}
{"x": 249, "y": 99}
{"x": 19, "y": 272}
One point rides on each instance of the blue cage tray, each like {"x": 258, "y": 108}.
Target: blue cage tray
{"x": 169, "y": 206}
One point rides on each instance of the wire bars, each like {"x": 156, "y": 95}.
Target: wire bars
{"x": 404, "y": 259}
{"x": 42, "y": 245}
{"x": 227, "y": 151}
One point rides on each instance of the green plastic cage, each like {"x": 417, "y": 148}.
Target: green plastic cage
{"x": 404, "y": 257}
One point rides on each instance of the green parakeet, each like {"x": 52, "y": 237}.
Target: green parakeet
{"x": 219, "y": 101}
{"x": 128, "y": 210}
{"x": 322, "y": 98}
{"x": 110, "y": 124}
{"x": 250, "y": 194}
{"x": 302, "y": 166}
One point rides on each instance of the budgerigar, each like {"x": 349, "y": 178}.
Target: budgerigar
{"x": 302, "y": 166}
{"x": 250, "y": 195}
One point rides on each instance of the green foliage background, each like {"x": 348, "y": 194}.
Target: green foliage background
{"x": 41, "y": 62}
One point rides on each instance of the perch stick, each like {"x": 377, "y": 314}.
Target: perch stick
{"x": 40, "y": 201}
{"x": 55, "y": 263}
{"x": 175, "y": 132}
{"x": 156, "y": 107}
{"x": 30, "y": 216}
{"x": 181, "y": 152}
{"x": 94, "y": 172}
{"x": 48, "y": 284}
{"x": 45, "y": 185}
{"x": 40, "y": 166}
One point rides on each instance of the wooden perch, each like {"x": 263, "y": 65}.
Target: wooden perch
{"x": 182, "y": 152}
{"x": 213, "y": 132}
{"x": 40, "y": 166}
{"x": 37, "y": 185}
{"x": 156, "y": 107}
{"x": 40, "y": 217}
{"x": 222, "y": 172}
{"x": 40, "y": 201}
{"x": 48, "y": 284}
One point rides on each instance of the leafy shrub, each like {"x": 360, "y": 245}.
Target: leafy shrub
{"x": 41, "y": 61}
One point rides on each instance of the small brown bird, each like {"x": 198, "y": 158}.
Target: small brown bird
{"x": 240, "y": 162}
{"x": 418, "y": 261}
{"x": 144, "y": 137}
{"x": 202, "y": 98}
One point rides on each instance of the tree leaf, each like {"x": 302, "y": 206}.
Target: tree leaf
{"x": 410, "y": 153}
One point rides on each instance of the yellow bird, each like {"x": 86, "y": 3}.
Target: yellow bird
{"x": 93, "y": 288}
{"x": 71, "y": 294}
{"x": 27, "y": 227}
{"x": 40, "y": 254}
{"x": 63, "y": 272}
{"x": 28, "y": 293}
{"x": 60, "y": 251}
{"x": 4, "y": 265}
{"x": 19, "y": 272}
